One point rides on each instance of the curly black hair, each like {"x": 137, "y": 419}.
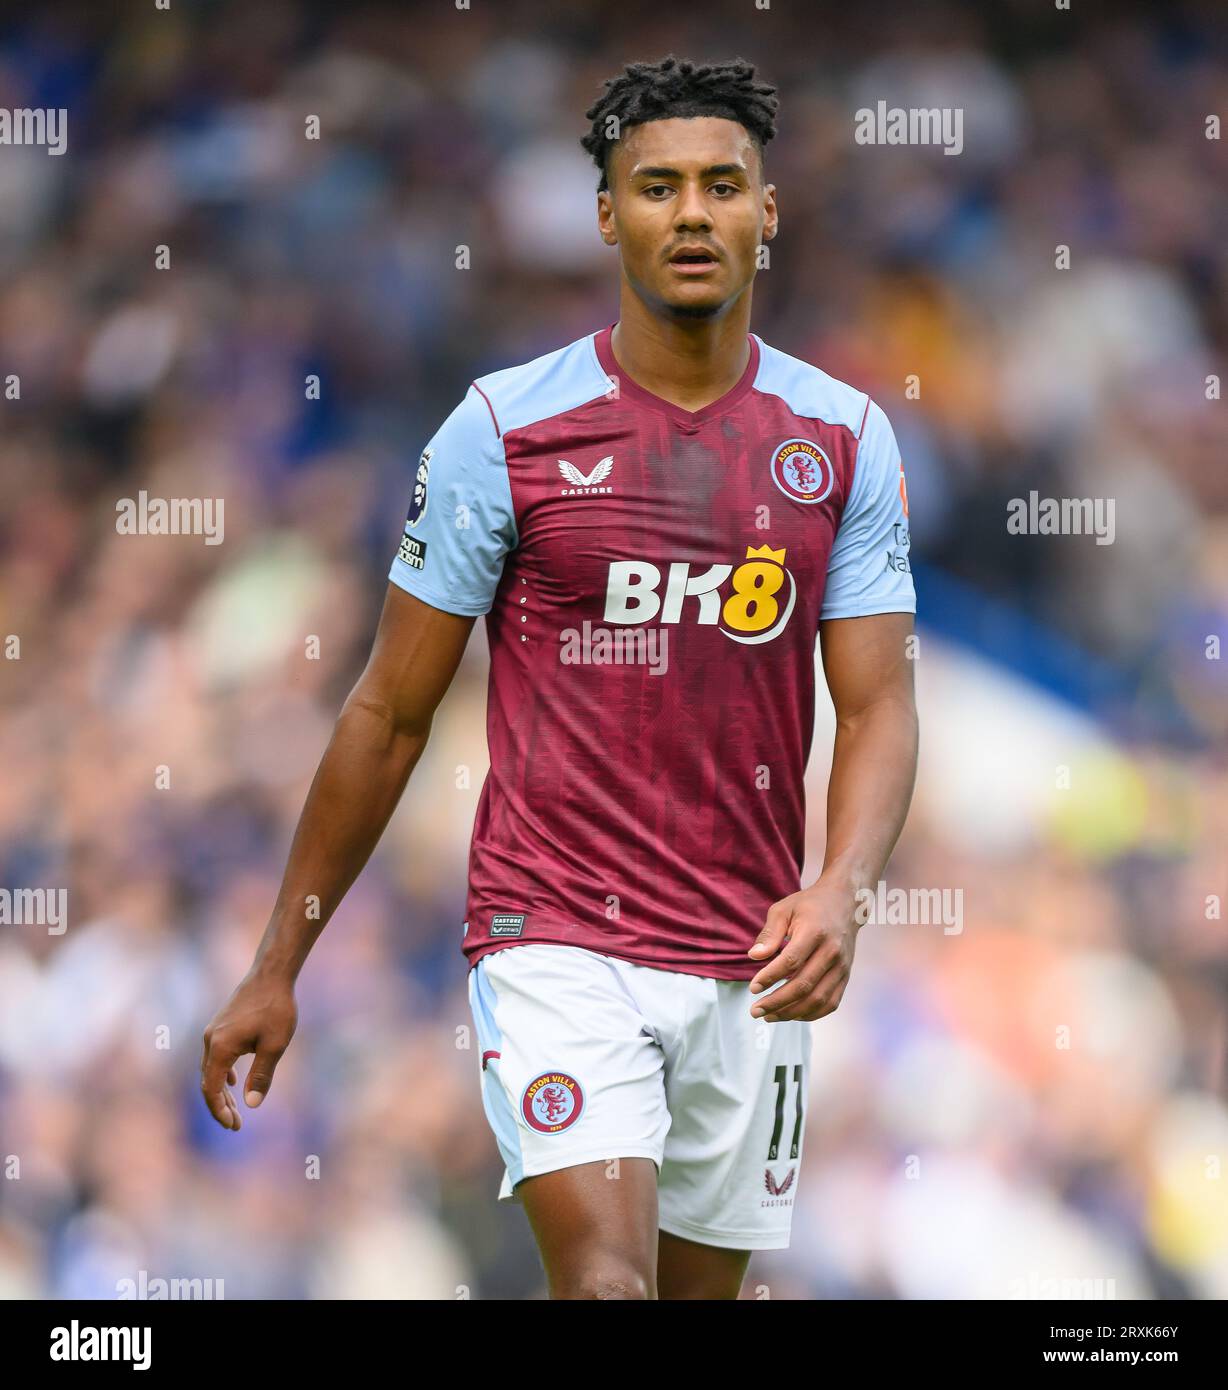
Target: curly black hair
{"x": 676, "y": 87}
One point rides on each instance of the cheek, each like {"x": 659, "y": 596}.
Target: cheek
{"x": 642, "y": 244}
{"x": 744, "y": 234}
{"x": 744, "y": 247}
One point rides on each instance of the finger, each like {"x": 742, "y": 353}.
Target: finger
{"x": 775, "y": 929}
{"x": 232, "y": 1077}
{"x": 821, "y": 999}
{"x": 232, "y": 1108}
{"x": 824, "y": 1002}
{"x": 799, "y": 987}
{"x": 792, "y": 958}
{"x": 805, "y": 979}
{"x": 218, "y": 1062}
{"x": 260, "y": 1077}
{"x": 220, "y": 1106}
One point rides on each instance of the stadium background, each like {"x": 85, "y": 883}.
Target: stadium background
{"x": 955, "y": 1147}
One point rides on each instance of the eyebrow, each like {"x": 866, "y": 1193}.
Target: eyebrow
{"x": 660, "y": 172}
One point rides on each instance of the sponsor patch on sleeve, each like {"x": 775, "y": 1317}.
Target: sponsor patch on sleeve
{"x": 412, "y": 551}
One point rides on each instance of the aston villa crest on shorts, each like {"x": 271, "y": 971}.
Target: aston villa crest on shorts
{"x": 552, "y": 1102}
{"x": 801, "y": 470}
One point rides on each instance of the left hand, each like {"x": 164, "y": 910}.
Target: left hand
{"x": 815, "y": 959}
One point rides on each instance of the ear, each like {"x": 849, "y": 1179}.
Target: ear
{"x": 771, "y": 217}
{"x": 606, "y": 220}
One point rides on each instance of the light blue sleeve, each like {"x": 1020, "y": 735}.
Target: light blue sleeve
{"x": 461, "y": 522}
{"x": 869, "y": 570}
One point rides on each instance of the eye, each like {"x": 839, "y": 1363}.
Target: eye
{"x": 654, "y": 187}
{"x": 731, "y": 187}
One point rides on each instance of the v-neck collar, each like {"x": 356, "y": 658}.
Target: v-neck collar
{"x": 689, "y": 419}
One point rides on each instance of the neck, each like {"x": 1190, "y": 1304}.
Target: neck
{"x": 688, "y": 362}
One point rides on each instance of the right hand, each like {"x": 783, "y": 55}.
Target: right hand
{"x": 260, "y": 1017}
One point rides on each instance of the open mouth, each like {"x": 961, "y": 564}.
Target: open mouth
{"x": 693, "y": 262}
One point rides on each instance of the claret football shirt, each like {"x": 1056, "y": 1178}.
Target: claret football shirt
{"x": 653, "y": 579}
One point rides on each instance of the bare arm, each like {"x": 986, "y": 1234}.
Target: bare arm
{"x": 377, "y": 741}
{"x": 379, "y": 737}
{"x": 875, "y": 763}
{"x": 873, "y": 772}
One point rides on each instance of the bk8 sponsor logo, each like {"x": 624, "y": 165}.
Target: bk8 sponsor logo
{"x": 749, "y": 603}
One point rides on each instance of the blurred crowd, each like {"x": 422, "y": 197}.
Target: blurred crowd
{"x": 1040, "y": 1097}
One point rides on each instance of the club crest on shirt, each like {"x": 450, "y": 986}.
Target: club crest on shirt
{"x": 801, "y": 470}
{"x": 417, "y": 501}
{"x": 552, "y": 1102}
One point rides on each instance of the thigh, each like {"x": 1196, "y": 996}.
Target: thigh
{"x": 688, "y": 1270}
{"x": 573, "y": 1086}
{"x": 596, "y": 1228}
{"x": 736, "y": 1090}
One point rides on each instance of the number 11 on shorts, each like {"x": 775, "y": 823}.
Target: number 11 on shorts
{"x": 782, "y": 1085}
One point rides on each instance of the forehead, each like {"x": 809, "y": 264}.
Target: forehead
{"x": 685, "y": 143}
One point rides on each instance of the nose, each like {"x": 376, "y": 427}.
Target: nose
{"x": 691, "y": 212}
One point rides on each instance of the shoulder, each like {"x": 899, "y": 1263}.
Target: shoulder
{"x": 809, "y": 391}
{"x": 544, "y": 387}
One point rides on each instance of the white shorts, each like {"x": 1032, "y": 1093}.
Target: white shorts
{"x": 587, "y": 1057}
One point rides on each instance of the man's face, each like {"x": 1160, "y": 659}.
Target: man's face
{"x": 682, "y": 183}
